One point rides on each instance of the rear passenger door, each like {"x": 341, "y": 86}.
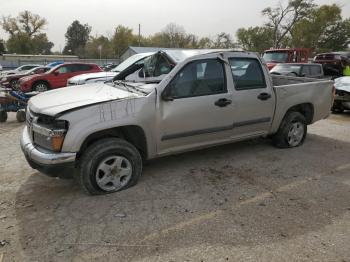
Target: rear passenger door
{"x": 254, "y": 101}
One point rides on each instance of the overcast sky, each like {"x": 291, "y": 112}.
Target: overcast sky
{"x": 201, "y": 17}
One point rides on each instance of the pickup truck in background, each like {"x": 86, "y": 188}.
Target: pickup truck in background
{"x": 311, "y": 70}
{"x": 273, "y": 57}
{"x": 102, "y": 132}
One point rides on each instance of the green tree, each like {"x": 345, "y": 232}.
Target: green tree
{"x": 324, "y": 30}
{"x": 282, "y": 19}
{"x": 256, "y": 39}
{"x": 26, "y": 35}
{"x": 223, "y": 40}
{"x": 2, "y": 46}
{"x": 94, "y": 45}
{"x": 77, "y": 36}
{"x": 122, "y": 39}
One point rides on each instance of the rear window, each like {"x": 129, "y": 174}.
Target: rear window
{"x": 315, "y": 70}
{"x": 247, "y": 73}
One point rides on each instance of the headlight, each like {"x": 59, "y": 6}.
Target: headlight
{"x": 50, "y": 135}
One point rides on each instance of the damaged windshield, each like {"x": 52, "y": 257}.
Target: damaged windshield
{"x": 157, "y": 65}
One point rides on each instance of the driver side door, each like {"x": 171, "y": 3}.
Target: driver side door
{"x": 196, "y": 108}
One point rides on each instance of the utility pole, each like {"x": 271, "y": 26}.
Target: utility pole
{"x": 139, "y": 34}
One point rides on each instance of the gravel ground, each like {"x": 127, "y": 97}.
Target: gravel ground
{"x": 242, "y": 202}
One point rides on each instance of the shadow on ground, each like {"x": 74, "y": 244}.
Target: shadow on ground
{"x": 247, "y": 193}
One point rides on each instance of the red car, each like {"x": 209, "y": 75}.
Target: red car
{"x": 10, "y": 81}
{"x": 57, "y": 77}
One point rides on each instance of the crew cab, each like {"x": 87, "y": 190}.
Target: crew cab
{"x": 273, "y": 57}
{"x": 300, "y": 70}
{"x": 10, "y": 81}
{"x": 102, "y": 132}
{"x": 108, "y": 76}
{"x": 56, "y": 77}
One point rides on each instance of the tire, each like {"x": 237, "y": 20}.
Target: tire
{"x": 337, "y": 110}
{"x": 3, "y": 116}
{"x": 40, "y": 87}
{"x": 292, "y": 131}
{"x": 21, "y": 116}
{"x": 13, "y": 84}
{"x": 108, "y": 166}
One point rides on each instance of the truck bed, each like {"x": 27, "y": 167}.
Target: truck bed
{"x": 291, "y": 91}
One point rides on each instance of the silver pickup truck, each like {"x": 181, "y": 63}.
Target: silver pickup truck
{"x": 101, "y": 133}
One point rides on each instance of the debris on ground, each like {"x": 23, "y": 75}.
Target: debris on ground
{"x": 121, "y": 215}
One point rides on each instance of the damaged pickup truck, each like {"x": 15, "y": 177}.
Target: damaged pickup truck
{"x": 102, "y": 132}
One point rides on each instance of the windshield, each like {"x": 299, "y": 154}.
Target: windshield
{"x": 128, "y": 62}
{"x": 283, "y": 68}
{"x": 276, "y": 57}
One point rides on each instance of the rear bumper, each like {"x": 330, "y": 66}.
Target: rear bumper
{"x": 47, "y": 162}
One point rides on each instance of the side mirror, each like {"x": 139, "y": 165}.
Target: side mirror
{"x": 56, "y": 73}
{"x": 166, "y": 96}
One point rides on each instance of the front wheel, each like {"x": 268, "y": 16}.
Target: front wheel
{"x": 292, "y": 131}
{"x": 108, "y": 166}
{"x": 21, "y": 116}
{"x": 3, "y": 116}
{"x": 40, "y": 87}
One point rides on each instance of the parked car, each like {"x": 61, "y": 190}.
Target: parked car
{"x": 107, "y": 130}
{"x": 56, "y": 77}
{"x": 108, "y": 76}
{"x": 55, "y": 63}
{"x": 300, "y": 70}
{"x": 0, "y": 67}
{"x": 333, "y": 63}
{"x": 108, "y": 67}
{"x": 342, "y": 94}
{"x": 20, "y": 69}
{"x": 10, "y": 81}
{"x": 273, "y": 57}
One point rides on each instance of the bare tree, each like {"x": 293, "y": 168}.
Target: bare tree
{"x": 282, "y": 19}
{"x": 26, "y": 22}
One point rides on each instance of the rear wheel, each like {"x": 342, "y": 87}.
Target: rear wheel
{"x": 292, "y": 131}
{"x": 3, "y": 116}
{"x": 21, "y": 116}
{"x": 109, "y": 165}
{"x": 40, "y": 87}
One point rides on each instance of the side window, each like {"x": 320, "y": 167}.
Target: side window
{"x": 62, "y": 70}
{"x": 315, "y": 70}
{"x": 305, "y": 71}
{"x": 205, "y": 77}
{"x": 83, "y": 67}
{"x": 247, "y": 73}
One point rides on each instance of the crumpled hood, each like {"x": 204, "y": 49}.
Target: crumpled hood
{"x": 84, "y": 77}
{"x": 342, "y": 83}
{"x": 67, "y": 98}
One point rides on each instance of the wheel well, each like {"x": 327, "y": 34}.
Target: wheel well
{"x": 306, "y": 110}
{"x": 133, "y": 134}
{"x": 41, "y": 81}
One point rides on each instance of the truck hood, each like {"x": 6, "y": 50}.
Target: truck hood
{"x": 342, "y": 83}
{"x": 85, "y": 77}
{"x": 60, "y": 100}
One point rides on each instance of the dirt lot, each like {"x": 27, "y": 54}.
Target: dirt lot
{"x": 240, "y": 202}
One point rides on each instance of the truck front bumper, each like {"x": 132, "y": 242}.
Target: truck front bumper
{"x": 48, "y": 162}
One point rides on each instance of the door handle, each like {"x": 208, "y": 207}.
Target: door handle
{"x": 222, "y": 102}
{"x": 264, "y": 96}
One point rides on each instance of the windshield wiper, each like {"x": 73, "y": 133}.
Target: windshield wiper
{"x": 128, "y": 86}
